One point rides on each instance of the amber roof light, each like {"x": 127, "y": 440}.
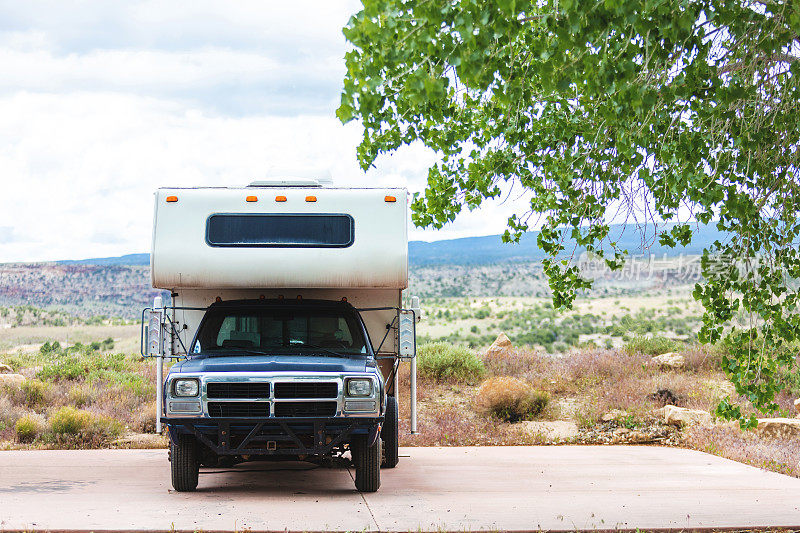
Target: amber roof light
{"x": 389, "y": 199}
{"x": 252, "y": 198}
{"x": 172, "y": 199}
{"x": 280, "y": 198}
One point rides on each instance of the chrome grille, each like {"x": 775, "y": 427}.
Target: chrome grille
{"x": 299, "y": 389}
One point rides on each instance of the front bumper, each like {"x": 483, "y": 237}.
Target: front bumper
{"x": 295, "y": 436}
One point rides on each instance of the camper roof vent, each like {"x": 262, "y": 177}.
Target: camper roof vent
{"x": 292, "y": 182}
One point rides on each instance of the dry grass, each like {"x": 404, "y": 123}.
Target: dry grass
{"x": 778, "y": 455}
{"x": 509, "y": 399}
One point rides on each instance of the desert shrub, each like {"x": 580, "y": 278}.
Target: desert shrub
{"x": 442, "y": 361}
{"x": 82, "y": 394}
{"x": 35, "y": 393}
{"x": 699, "y": 358}
{"x": 76, "y": 426}
{"x": 652, "y": 345}
{"x": 510, "y": 399}
{"x": 145, "y": 419}
{"x": 10, "y": 411}
{"x": 29, "y": 426}
{"x": 83, "y": 364}
{"x": 513, "y": 362}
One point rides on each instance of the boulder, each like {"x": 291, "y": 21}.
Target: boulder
{"x": 500, "y": 345}
{"x": 11, "y": 380}
{"x": 797, "y": 406}
{"x": 5, "y": 369}
{"x": 670, "y": 360}
{"x": 550, "y": 429}
{"x": 787, "y": 428}
{"x": 681, "y": 416}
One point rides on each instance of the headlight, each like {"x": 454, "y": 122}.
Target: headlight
{"x": 185, "y": 387}
{"x": 359, "y": 387}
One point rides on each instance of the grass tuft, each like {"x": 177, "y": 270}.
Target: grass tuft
{"x": 29, "y": 427}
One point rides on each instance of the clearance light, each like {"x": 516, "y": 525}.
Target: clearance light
{"x": 311, "y": 198}
{"x": 299, "y": 297}
{"x": 261, "y": 297}
{"x": 280, "y": 297}
{"x": 252, "y": 198}
{"x": 172, "y": 199}
{"x": 280, "y": 198}
{"x": 389, "y": 199}
{"x": 344, "y": 298}
{"x": 218, "y": 299}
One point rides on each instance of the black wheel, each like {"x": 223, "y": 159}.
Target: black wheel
{"x": 390, "y": 435}
{"x": 367, "y": 460}
{"x": 184, "y": 463}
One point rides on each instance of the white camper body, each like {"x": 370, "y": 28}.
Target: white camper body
{"x": 370, "y": 272}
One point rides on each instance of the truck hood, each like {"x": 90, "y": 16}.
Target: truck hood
{"x": 270, "y": 363}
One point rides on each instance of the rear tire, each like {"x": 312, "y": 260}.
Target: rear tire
{"x": 367, "y": 461}
{"x": 390, "y": 434}
{"x": 184, "y": 463}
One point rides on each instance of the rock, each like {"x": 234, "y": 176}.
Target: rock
{"x": 787, "y": 428}
{"x": 614, "y": 414}
{"x": 797, "y": 406}
{"x": 12, "y": 380}
{"x": 551, "y": 430}
{"x": 681, "y": 416}
{"x": 5, "y": 369}
{"x": 671, "y": 360}
{"x": 621, "y": 431}
{"x": 500, "y": 345}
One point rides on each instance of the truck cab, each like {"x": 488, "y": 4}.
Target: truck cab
{"x": 286, "y": 325}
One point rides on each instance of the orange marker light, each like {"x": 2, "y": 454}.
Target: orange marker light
{"x": 344, "y": 298}
{"x": 311, "y": 198}
{"x": 172, "y": 199}
{"x": 252, "y": 198}
{"x": 389, "y": 199}
{"x": 218, "y": 299}
{"x": 280, "y": 198}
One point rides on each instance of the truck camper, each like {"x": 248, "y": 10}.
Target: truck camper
{"x": 285, "y": 320}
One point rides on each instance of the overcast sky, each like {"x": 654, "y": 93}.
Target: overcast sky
{"x": 103, "y": 102}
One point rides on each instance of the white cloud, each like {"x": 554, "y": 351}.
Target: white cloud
{"x": 104, "y": 102}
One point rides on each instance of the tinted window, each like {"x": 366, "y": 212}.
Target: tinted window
{"x": 300, "y": 230}
{"x": 280, "y": 331}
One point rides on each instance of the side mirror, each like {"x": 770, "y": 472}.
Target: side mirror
{"x": 407, "y": 333}
{"x": 154, "y": 333}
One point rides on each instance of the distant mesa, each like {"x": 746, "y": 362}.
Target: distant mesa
{"x": 488, "y": 249}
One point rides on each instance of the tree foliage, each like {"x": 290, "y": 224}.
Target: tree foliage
{"x": 678, "y": 112}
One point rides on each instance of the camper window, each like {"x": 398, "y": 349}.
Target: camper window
{"x": 284, "y": 230}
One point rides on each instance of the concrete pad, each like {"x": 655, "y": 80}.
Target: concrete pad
{"x": 442, "y": 489}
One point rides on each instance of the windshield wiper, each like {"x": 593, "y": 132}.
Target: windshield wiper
{"x": 326, "y": 350}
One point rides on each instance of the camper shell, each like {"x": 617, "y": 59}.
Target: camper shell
{"x": 287, "y": 323}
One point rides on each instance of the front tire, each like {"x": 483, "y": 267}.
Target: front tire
{"x": 184, "y": 463}
{"x": 390, "y": 434}
{"x": 367, "y": 460}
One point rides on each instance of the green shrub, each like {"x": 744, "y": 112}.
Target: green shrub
{"x": 82, "y": 427}
{"x": 36, "y": 393}
{"x": 652, "y": 345}
{"x": 510, "y": 399}
{"x": 28, "y": 427}
{"x": 442, "y": 361}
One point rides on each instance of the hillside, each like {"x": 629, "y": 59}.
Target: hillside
{"x": 474, "y": 266}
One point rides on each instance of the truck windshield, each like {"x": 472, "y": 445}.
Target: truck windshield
{"x": 280, "y": 331}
